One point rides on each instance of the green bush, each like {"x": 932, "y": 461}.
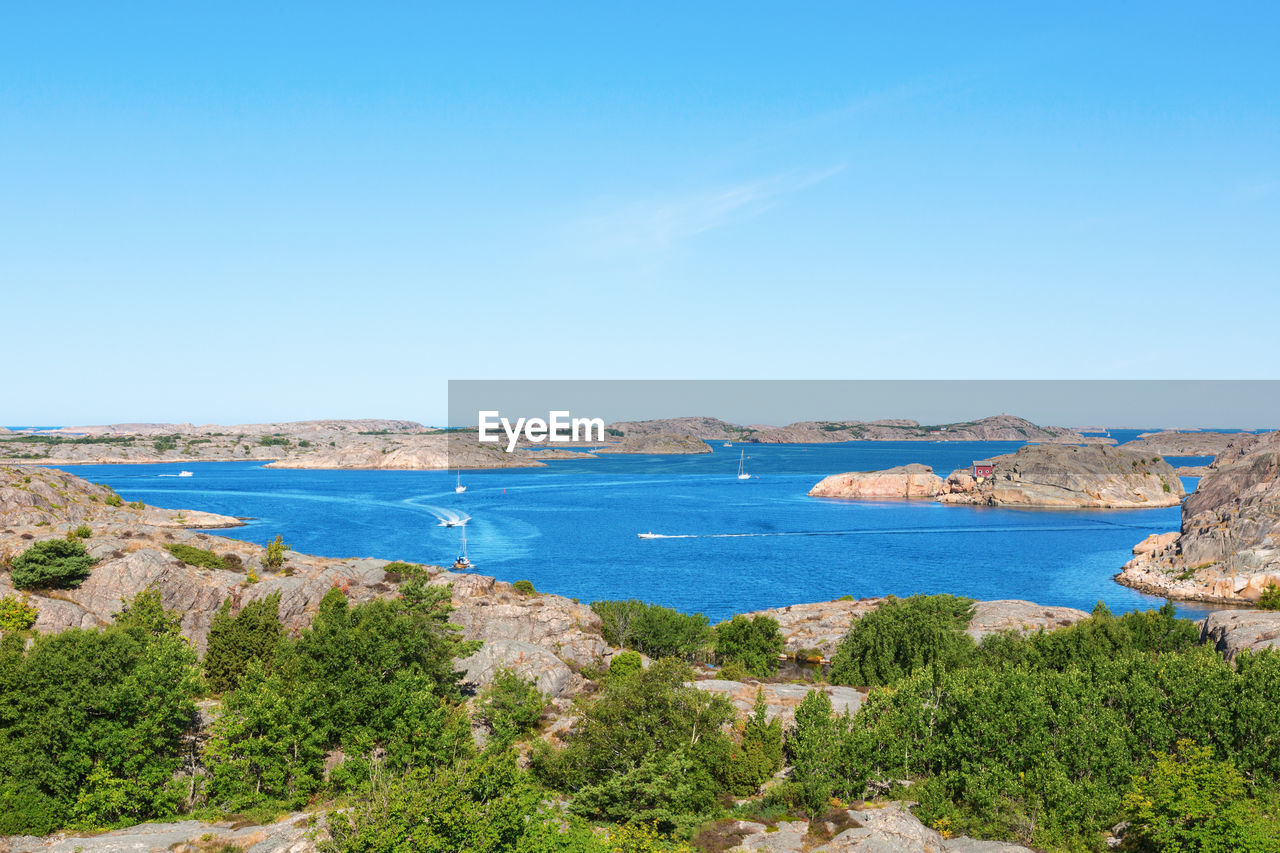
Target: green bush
{"x": 145, "y": 613}
{"x": 1034, "y": 739}
{"x": 511, "y": 706}
{"x": 132, "y": 505}
{"x": 84, "y": 531}
{"x": 375, "y": 680}
{"x": 1190, "y": 802}
{"x": 193, "y": 556}
{"x": 755, "y": 643}
{"x": 114, "y": 500}
{"x": 51, "y": 564}
{"x": 624, "y": 665}
{"x": 274, "y": 558}
{"x": 651, "y": 629}
{"x": 16, "y": 614}
{"x": 252, "y": 634}
{"x": 758, "y": 755}
{"x": 524, "y": 588}
{"x": 648, "y": 748}
{"x": 1270, "y": 599}
{"x": 901, "y": 636}
{"x": 93, "y": 726}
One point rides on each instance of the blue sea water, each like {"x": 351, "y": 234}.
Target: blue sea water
{"x": 571, "y": 527}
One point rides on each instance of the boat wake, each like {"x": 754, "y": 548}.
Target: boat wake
{"x": 447, "y": 517}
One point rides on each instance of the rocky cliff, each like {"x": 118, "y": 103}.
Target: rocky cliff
{"x": 1228, "y": 547}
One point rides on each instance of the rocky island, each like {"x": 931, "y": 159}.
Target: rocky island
{"x": 407, "y": 445}
{"x": 1177, "y": 443}
{"x": 1228, "y": 547}
{"x": 1048, "y": 476}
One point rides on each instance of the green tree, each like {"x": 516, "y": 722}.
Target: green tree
{"x": 648, "y": 748}
{"x": 145, "y": 613}
{"x": 51, "y": 564}
{"x": 375, "y": 680}
{"x": 1190, "y": 802}
{"x": 252, "y": 634}
{"x": 755, "y": 643}
{"x": 274, "y": 557}
{"x": 759, "y": 753}
{"x": 904, "y": 635}
{"x": 651, "y": 629}
{"x": 91, "y": 727}
{"x": 511, "y": 706}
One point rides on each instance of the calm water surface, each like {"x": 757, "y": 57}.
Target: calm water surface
{"x": 733, "y": 545}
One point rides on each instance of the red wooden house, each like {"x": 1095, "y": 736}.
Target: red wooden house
{"x": 982, "y": 470}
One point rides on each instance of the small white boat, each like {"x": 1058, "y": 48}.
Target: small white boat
{"x": 728, "y": 444}
{"x": 459, "y": 489}
{"x": 185, "y": 474}
{"x": 649, "y": 535}
{"x": 455, "y": 522}
{"x": 742, "y": 471}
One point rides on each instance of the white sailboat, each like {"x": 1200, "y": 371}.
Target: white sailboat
{"x": 742, "y": 470}
{"x": 462, "y": 562}
{"x": 459, "y": 489}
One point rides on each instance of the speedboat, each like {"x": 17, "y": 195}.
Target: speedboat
{"x": 649, "y": 535}
{"x": 185, "y": 474}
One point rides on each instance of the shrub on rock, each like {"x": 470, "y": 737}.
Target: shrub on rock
{"x": 52, "y": 564}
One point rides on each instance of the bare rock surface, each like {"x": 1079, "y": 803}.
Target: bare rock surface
{"x": 906, "y": 481}
{"x": 1234, "y": 631}
{"x": 292, "y": 834}
{"x": 871, "y": 829}
{"x": 821, "y": 625}
{"x": 994, "y": 617}
{"x": 1070, "y": 477}
{"x": 781, "y": 699}
{"x": 818, "y": 626}
{"x": 1228, "y": 547}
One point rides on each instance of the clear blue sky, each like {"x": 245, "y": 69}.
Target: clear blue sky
{"x": 233, "y": 212}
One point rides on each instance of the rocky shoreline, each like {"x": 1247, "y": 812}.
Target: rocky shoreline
{"x": 1227, "y": 549}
